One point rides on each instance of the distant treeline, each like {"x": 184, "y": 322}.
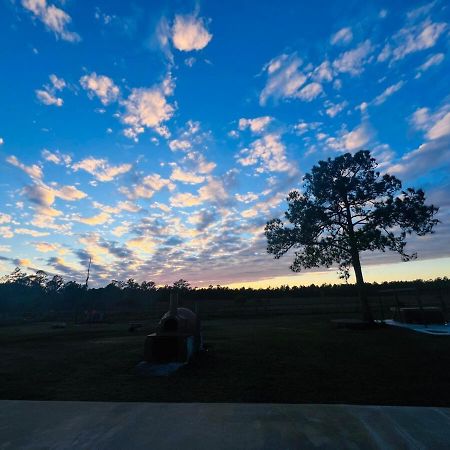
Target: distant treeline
{"x": 22, "y": 293}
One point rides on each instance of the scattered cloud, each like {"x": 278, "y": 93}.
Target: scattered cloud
{"x": 101, "y": 169}
{"x": 267, "y": 153}
{"x": 284, "y": 79}
{"x": 55, "y": 19}
{"x": 48, "y": 94}
{"x": 357, "y": 138}
{"x": 179, "y": 144}
{"x": 441, "y": 128}
{"x": 101, "y": 86}
{"x": 56, "y": 157}
{"x": 147, "y": 186}
{"x": 47, "y": 98}
{"x": 256, "y": 125}
{"x": 186, "y": 177}
{"x": 333, "y": 109}
{"x": 189, "y": 33}
{"x": 380, "y": 99}
{"x": 427, "y": 156}
{"x": 343, "y": 36}
{"x": 353, "y": 61}
{"x": 34, "y": 171}
{"x": 148, "y": 108}
{"x": 98, "y": 219}
{"x": 45, "y": 247}
{"x": 31, "y": 232}
{"x": 246, "y": 198}
{"x": 433, "y": 60}
{"x": 413, "y": 37}
{"x": 310, "y": 92}
{"x": 5, "y": 218}
{"x": 436, "y": 125}
{"x": 58, "y": 83}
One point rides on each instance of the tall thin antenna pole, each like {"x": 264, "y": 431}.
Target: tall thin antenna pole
{"x": 89, "y": 269}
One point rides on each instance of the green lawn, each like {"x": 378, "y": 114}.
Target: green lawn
{"x": 295, "y": 359}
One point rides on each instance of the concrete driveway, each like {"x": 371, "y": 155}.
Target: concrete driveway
{"x": 96, "y": 425}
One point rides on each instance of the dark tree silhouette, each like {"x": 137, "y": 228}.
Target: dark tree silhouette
{"x": 182, "y": 285}
{"x": 347, "y": 207}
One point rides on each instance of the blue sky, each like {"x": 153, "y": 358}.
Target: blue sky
{"x": 158, "y": 138}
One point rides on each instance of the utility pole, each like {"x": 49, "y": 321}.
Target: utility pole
{"x": 87, "y": 278}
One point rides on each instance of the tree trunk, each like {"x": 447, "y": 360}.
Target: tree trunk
{"x": 366, "y": 312}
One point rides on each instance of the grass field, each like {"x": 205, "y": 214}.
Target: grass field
{"x": 287, "y": 359}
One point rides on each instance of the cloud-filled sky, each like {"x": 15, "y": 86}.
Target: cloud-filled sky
{"x": 159, "y": 137}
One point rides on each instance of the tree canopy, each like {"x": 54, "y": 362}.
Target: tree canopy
{"x": 347, "y": 207}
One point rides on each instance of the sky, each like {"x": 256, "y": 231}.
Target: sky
{"x": 158, "y": 138}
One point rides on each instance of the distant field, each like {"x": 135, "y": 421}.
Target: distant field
{"x": 293, "y": 359}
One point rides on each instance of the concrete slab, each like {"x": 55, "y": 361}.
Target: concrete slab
{"x": 124, "y": 426}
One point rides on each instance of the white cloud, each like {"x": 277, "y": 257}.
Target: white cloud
{"x": 2, "y": 141}
{"x": 334, "y": 109}
{"x": 420, "y": 118}
{"x": 214, "y": 191}
{"x": 440, "y": 128}
{"x": 353, "y": 61}
{"x": 58, "y": 83}
{"x": 128, "y": 206}
{"x": 101, "y": 169}
{"x": 161, "y": 206}
{"x": 148, "y": 108}
{"x": 98, "y": 219}
{"x": 189, "y": 33}
{"x": 6, "y": 232}
{"x": 323, "y": 72}
{"x": 185, "y": 199}
{"x": 156, "y": 182}
{"x": 47, "y": 95}
{"x": 436, "y": 125}
{"x": 186, "y": 177}
{"x": 433, "y": 60}
{"x": 31, "y": 232}
{"x": 44, "y": 196}
{"x": 256, "y": 125}
{"x": 284, "y": 79}
{"x": 426, "y": 157}
{"x": 310, "y": 91}
{"x": 70, "y": 193}
{"x": 48, "y": 98}
{"x": 179, "y": 144}
{"x": 34, "y": 171}
{"x": 196, "y": 162}
{"x": 147, "y": 187}
{"x": 388, "y": 92}
{"x": 45, "y": 247}
{"x": 142, "y": 244}
{"x": 343, "y": 36}
{"x": 5, "y": 218}
{"x": 246, "y": 198}
{"x": 119, "y": 230}
{"x": 101, "y": 86}
{"x": 357, "y": 138}
{"x": 55, "y": 19}
{"x": 268, "y": 153}
{"x": 56, "y": 157}
{"x": 412, "y": 38}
